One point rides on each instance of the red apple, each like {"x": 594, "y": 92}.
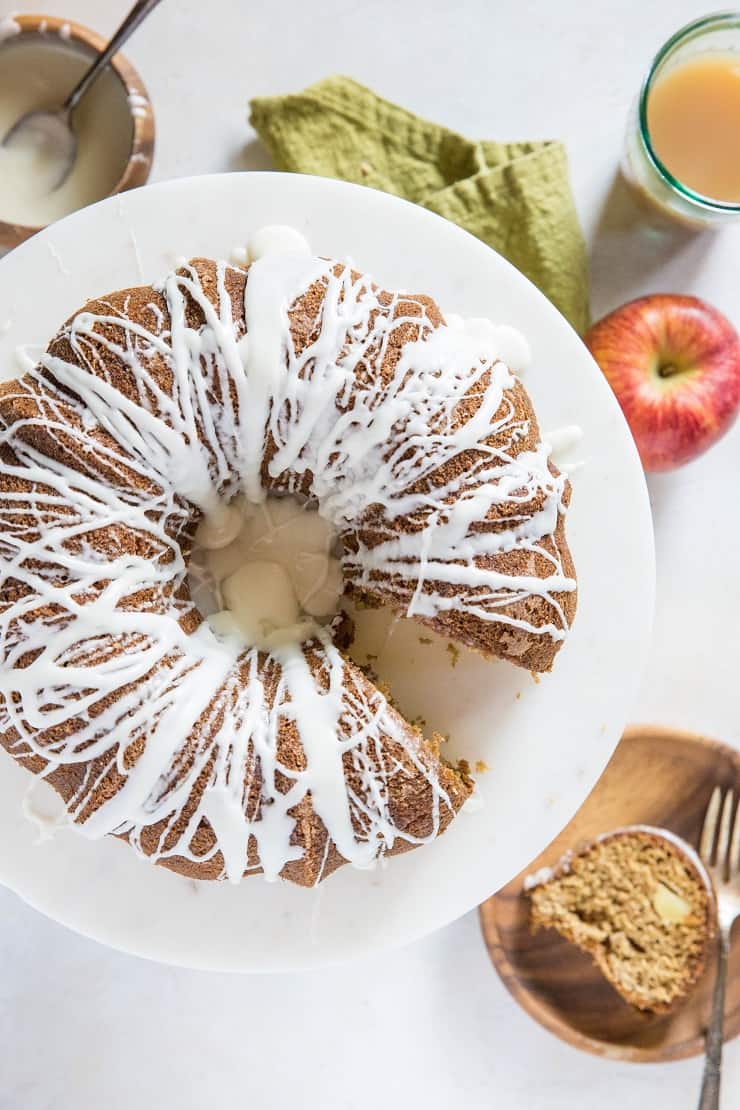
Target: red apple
{"x": 674, "y": 365}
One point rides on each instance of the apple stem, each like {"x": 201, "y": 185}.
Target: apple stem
{"x": 666, "y": 370}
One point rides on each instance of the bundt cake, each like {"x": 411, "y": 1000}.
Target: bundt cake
{"x": 640, "y": 903}
{"x": 152, "y": 412}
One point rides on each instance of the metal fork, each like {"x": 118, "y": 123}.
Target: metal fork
{"x": 719, "y": 849}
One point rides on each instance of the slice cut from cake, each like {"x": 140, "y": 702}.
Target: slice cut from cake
{"x": 639, "y": 901}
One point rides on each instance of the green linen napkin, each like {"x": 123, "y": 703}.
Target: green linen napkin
{"x": 514, "y": 196}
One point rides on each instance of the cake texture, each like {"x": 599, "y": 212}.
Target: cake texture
{"x": 153, "y": 409}
{"x": 638, "y": 901}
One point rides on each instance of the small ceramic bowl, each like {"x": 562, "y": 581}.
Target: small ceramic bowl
{"x": 50, "y": 31}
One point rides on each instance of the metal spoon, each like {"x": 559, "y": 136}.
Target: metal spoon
{"x": 52, "y": 128}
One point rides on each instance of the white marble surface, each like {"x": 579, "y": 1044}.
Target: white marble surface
{"x": 82, "y": 1027}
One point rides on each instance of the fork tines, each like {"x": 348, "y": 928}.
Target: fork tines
{"x": 719, "y": 846}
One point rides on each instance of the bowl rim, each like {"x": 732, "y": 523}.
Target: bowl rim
{"x": 141, "y": 154}
{"x": 701, "y": 202}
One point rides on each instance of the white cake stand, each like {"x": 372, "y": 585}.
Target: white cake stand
{"x": 545, "y": 743}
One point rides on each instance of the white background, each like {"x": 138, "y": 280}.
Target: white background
{"x": 430, "y": 1026}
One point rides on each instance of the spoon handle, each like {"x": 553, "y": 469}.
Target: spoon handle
{"x": 138, "y": 13}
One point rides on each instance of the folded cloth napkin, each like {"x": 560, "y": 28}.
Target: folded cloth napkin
{"x": 514, "y": 196}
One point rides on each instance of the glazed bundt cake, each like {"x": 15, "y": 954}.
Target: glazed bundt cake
{"x": 152, "y": 411}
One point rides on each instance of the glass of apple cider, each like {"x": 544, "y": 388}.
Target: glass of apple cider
{"x": 682, "y": 150}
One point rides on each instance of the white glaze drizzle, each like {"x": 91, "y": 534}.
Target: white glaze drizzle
{"x": 137, "y": 103}
{"x": 60, "y": 263}
{"x": 561, "y": 441}
{"x": 271, "y": 565}
{"x": 9, "y": 27}
{"x": 206, "y": 706}
{"x": 26, "y": 356}
{"x": 564, "y": 439}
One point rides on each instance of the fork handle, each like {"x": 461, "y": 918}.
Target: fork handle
{"x": 710, "y": 1084}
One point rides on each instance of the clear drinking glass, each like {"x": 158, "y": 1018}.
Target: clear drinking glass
{"x": 641, "y": 166}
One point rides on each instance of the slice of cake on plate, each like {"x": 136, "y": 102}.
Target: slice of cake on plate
{"x": 640, "y": 903}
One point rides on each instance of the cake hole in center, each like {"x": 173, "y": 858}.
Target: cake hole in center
{"x": 266, "y": 573}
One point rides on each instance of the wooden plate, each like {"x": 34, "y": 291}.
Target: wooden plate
{"x": 657, "y": 776}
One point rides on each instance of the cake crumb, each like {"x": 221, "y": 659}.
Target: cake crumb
{"x": 454, "y": 652}
{"x": 481, "y": 766}
{"x": 370, "y": 673}
{"x": 535, "y": 677}
{"x": 463, "y": 766}
{"x": 518, "y": 695}
{"x": 425, "y": 640}
{"x": 365, "y": 169}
